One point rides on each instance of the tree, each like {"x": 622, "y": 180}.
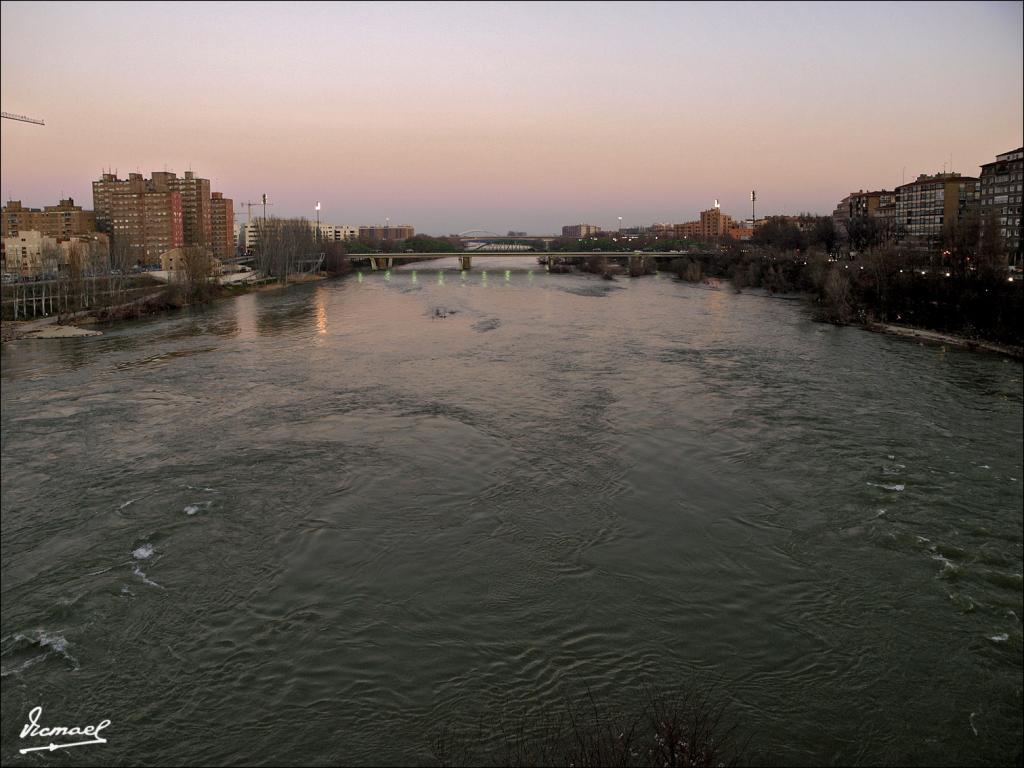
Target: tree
{"x": 688, "y": 270}
{"x": 960, "y": 239}
{"x": 73, "y": 276}
{"x": 120, "y": 265}
{"x": 863, "y": 233}
{"x": 197, "y": 271}
{"x": 826, "y": 234}
{"x": 282, "y": 244}
{"x": 427, "y": 244}
{"x": 992, "y": 253}
{"x": 50, "y": 264}
{"x": 836, "y": 296}
{"x": 780, "y": 234}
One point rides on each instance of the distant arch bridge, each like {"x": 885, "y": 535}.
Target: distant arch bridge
{"x": 485, "y": 240}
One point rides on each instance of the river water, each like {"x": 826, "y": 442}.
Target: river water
{"x": 316, "y": 525}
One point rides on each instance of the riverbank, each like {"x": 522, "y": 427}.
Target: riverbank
{"x": 923, "y": 335}
{"x": 934, "y": 337}
{"x": 68, "y": 326}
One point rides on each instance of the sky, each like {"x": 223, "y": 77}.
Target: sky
{"x": 500, "y": 116}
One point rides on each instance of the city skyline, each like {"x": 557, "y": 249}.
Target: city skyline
{"x": 511, "y": 117}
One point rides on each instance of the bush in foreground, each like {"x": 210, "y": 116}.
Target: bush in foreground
{"x": 673, "y": 731}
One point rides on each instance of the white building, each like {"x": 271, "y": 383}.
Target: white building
{"x": 248, "y": 236}
{"x": 333, "y": 233}
{"x": 23, "y": 252}
{"x": 30, "y": 253}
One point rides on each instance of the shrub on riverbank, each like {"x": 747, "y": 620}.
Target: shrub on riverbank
{"x": 670, "y": 730}
{"x": 688, "y": 270}
{"x": 881, "y": 286}
{"x": 642, "y": 265}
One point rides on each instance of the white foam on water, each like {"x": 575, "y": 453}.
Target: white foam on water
{"x": 893, "y": 487}
{"x": 972, "y": 723}
{"x": 4, "y": 672}
{"x": 54, "y": 640}
{"x": 1000, "y": 638}
{"x": 193, "y": 509}
{"x": 130, "y": 501}
{"x": 50, "y": 642}
{"x": 879, "y": 513}
{"x": 984, "y": 466}
{"x": 138, "y": 572}
{"x": 144, "y": 552}
{"x": 948, "y": 566}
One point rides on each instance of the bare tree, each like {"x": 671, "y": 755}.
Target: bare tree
{"x": 50, "y": 265}
{"x": 120, "y": 265}
{"x": 97, "y": 263}
{"x": 836, "y": 294}
{"x": 960, "y": 238}
{"x": 992, "y": 253}
{"x": 197, "y": 272}
{"x": 282, "y": 244}
{"x": 73, "y": 276}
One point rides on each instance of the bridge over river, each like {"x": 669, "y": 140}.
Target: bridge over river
{"x": 386, "y": 260}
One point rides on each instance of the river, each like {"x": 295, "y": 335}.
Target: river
{"x": 313, "y": 526}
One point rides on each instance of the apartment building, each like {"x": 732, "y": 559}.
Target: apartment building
{"x": 333, "y": 233}
{"x": 386, "y": 233}
{"x": 222, "y": 226}
{"x": 879, "y": 204}
{"x": 580, "y": 230}
{"x": 196, "y": 222}
{"x": 62, "y": 220}
{"x": 142, "y": 216}
{"x": 712, "y": 225}
{"x": 925, "y": 206}
{"x": 1000, "y": 194}
{"x": 146, "y": 217}
{"x": 32, "y": 253}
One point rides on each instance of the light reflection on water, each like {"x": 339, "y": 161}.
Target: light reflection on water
{"x": 420, "y": 499}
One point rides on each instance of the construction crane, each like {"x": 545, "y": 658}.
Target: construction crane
{"x": 22, "y": 118}
{"x": 249, "y": 205}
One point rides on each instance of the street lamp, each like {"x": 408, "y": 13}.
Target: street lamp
{"x": 318, "y": 221}
{"x": 620, "y": 223}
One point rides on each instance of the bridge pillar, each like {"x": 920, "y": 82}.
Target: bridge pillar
{"x": 388, "y": 262}
{"x": 465, "y": 262}
{"x": 373, "y": 264}
{"x": 551, "y": 260}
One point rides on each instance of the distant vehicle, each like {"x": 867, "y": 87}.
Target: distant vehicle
{"x": 597, "y": 250}
{"x": 409, "y": 250}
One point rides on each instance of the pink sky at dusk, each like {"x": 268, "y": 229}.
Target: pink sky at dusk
{"x": 509, "y": 116}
